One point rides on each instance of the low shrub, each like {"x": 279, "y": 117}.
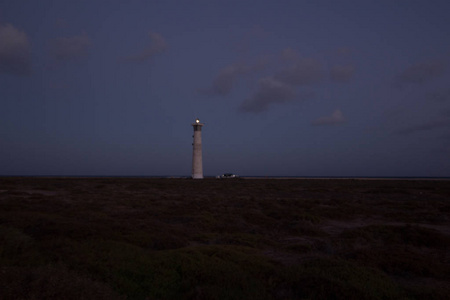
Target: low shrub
{"x": 407, "y": 235}
{"x": 336, "y": 279}
{"x": 403, "y": 261}
{"x": 51, "y": 282}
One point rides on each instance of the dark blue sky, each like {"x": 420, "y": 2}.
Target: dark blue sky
{"x": 295, "y": 88}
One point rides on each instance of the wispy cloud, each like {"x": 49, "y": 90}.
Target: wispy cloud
{"x": 342, "y": 73}
{"x": 302, "y": 71}
{"x": 15, "y": 51}
{"x": 344, "y": 51}
{"x": 295, "y": 71}
{"x": 223, "y": 83}
{"x": 289, "y": 54}
{"x": 439, "y": 96}
{"x": 292, "y": 77}
{"x": 420, "y": 73}
{"x": 270, "y": 91}
{"x": 158, "y": 46}
{"x": 249, "y": 37}
{"x": 70, "y": 48}
{"x": 335, "y": 118}
{"x": 428, "y": 126}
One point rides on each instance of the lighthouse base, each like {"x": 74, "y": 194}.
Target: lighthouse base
{"x": 197, "y": 176}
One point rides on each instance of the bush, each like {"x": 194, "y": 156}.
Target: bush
{"x": 50, "y": 282}
{"x": 337, "y": 279}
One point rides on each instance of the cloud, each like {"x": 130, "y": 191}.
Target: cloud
{"x": 158, "y": 46}
{"x": 302, "y": 71}
{"x": 290, "y": 54}
{"x": 70, "y": 48}
{"x": 342, "y": 73}
{"x": 431, "y": 125}
{"x": 335, "y": 118}
{"x": 420, "y": 73}
{"x": 15, "y": 51}
{"x": 343, "y": 51}
{"x": 293, "y": 71}
{"x": 439, "y": 96}
{"x": 61, "y": 22}
{"x": 281, "y": 88}
{"x": 223, "y": 83}
{"x": 249, "y": 37}
{"x": 269, "y": 91}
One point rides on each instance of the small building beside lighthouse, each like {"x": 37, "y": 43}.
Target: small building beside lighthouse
{"x": 197, "y": 164}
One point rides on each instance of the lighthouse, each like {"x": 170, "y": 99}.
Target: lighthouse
{"x": 197, "y": 165}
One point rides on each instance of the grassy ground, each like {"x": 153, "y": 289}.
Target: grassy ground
{"x": 109, "y": 238}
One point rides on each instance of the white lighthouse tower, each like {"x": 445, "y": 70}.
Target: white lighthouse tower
{"x": 197, "y": 165}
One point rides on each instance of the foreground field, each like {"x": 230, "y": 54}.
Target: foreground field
{"x": 108, "y": 238}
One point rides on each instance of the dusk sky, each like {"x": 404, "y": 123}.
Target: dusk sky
{"x": 285, "y": 88}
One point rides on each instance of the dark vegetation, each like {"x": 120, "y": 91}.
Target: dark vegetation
{"x": 109, "y": 238}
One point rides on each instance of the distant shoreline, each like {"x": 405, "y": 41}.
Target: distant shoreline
{"x": 241, "y": 177}
{"x": 353, "y": 178}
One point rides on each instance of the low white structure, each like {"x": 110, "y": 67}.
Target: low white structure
{"x": 197, "y": 164}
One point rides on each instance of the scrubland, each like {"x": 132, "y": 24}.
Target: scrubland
{"x": 137, "y": 238}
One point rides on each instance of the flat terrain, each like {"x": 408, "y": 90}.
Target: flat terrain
{"x": 131, "y": 238}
